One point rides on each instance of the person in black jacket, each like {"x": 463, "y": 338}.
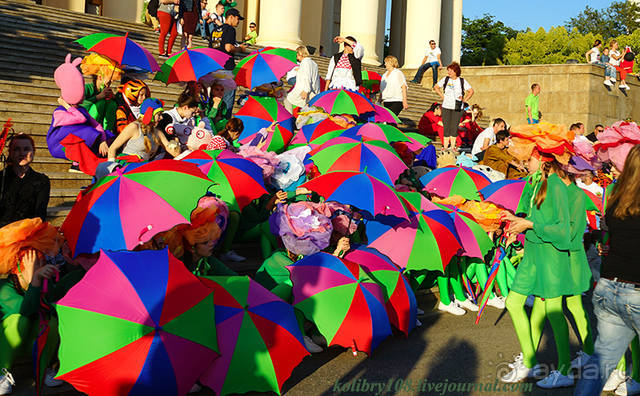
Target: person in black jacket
{"x": 24, "y": 193}
{"x": 345, "y": 68}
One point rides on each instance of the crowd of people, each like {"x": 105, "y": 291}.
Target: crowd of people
{"x": 544, "y": 252}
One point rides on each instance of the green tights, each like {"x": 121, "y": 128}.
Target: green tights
{"x": 17, "y": 334}
{"x": 230, "y": 234}
{"x": 506, "y": 272}
{"x": 574, "y": 304}
{"x": 551, "y": 308}
{"x": 451, "y": 276}
{"x": 635, "y": 360}
{"x": 515, "y": 306}
{"x": 479, "y": 269}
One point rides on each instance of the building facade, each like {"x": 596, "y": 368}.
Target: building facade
{"x": 289, "y": 23}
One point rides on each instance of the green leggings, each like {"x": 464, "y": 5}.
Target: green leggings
{"x": 506, "y": 272}
{"x": 551, "y": 308}
{"x": 478, "y": 269}
{"x": 574, "y": 304}
{"x": 635, "y": 360}
{"x": 261, "y": 232}
{"x": 230, "y": 234}
{"x": 16, "y": 338}
{"x": 451, "y": 275}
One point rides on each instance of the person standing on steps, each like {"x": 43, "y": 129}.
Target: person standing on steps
{"x": 229, "y": 46}
{"x": 454, "y": 92}
{"x": 431, "y": 60}
{"x": 166, "y": 17}
{"x": 393, "y": 86}
{"x": 345, "y": 68}
{"x": 531, "y": 104}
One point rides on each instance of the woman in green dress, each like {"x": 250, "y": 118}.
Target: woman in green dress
{"x": 544, "y": 272}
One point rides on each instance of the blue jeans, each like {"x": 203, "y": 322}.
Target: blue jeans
{"x": 422, "y": 69}
{"x": 617, "y": 309}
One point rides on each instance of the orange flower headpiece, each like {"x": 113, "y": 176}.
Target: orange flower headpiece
{"x": 19, "y": 236}
{"x": 95, "y": 64}
{"x": 204, "y": 227}
{"x": 486, "y": 214}
{"x": 543, "y": 140}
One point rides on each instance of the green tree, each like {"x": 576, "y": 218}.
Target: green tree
{"x": 620, "y": 18}
{"x": 542, "y": 47}
{"x": 483, "y": 41}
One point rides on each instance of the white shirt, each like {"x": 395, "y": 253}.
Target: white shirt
{"x": 593, "y": 187}
{"x": 594, "y": 56}
{"x": 612, "y": 61}
{"x": 432, "y": 54}
{"x": 181, "y": 127}
{"x": 358, "y": 51}
{"x": 391, "y": 86}
{"x": 307, "y": 80}
{"x": 340, "y": 78}
{"x": 453, "y": 91}
{"x": 488, "y": 133}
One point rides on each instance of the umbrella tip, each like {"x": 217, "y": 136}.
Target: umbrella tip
{"x": 126, "y": 35}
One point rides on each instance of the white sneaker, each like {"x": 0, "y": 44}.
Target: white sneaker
{"x": 580, "y": 360}
{"x": 616, "y": 378}
{"x": 555, "y": 380}
{"x": 6, "y": 382}
{"x": 195, "y": 388}
{"x": 529, "y": 301}
{"x": 608, "y": 83}
{"x": 49, "y": 379}
{"x": 311, "y": 346}
{"x": 520, "y": 372}
{"x": 628, "y": 388}
{"x": 231, "y": 255}
{"x": 452, "y": 308}
{"x": 468, "y": 304}
{"x": 516, "y": 359}
{"x": 627, "y": 87}
{"x": 418, "y": 323}
{"x": 419, "y": 312}
{"x": 497, "y": 302}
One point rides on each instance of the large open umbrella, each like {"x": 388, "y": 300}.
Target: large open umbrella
{"x": 340, "y": 101}
{"x": 474, "y": 240}
{"x": 399, "y": 298}
{"x": 371, "y": 80}
{"x": 374, "y": 157}
{"x": 263, "y": 66}
{"x": 382, "y": 114}
{"x": 311, "y": 132}
{"x": 120, "y": 49}
{"x": 191, "y": 64}
{"x": 373, "y": 131}
{"x": 138, "y": 323}
{"x": 361, "y": 190}
{"x": 260, "y": 341}
{"x": 429, "y": 238}
{"x": 258, "y": 113}
{"x": 513, "y": 195}
{"x": 454, "y": 180}
{"x": 131, "y": 205}
{"x": 238, "y": 180}
{"x": 342, "y": 300}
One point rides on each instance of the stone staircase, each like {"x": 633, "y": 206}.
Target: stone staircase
{"x": 35, "y": 39}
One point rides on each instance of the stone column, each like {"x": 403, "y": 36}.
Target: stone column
{"x": 451, "y": 31}
{"x": 125, "y": 10}
{"x": 422, "y": 25}
{"x": 361, "y": 19}
{"x": 398, "y": 20}
{"x": 280, "y": 23}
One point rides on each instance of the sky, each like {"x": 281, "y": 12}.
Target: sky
{"x": 521, "y": 14}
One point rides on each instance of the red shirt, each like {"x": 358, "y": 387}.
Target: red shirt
{"x": 429, "y": 124}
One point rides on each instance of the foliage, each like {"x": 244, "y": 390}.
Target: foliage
{"x": 620, "y": 18}
{"x": 483, "y": 41}
{"x": 542, "y": 47}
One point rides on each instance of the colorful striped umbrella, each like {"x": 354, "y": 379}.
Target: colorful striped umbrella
{"x": 417, "y": 141}
{"x": 260, "y": 340}
{"x": 382, "y": 114}
{"x": 361, "y": 190}
{"x": 493, "y": 272}
{"x": 373, "y": 131}
{"x": 374, "y": 158}
{"x": 429, "y": 238}
{"x": 120, "y": 49}
{"x": 453, "y": 180}
{"x": 311, "y": 132}
{"x": 138, "y": 323}
{"x": 474, "y": 240}
{"x": 400, "y": 301}
{"x": 238, "y": 180}
{"x": 346, "y": 305}
{"x": 258, "y": 113}
{"x": 128, "y": 207}
{"x": 595, "y": 202}
{"x": 264, "y": 66}
{"x": 513, "y": 195}
{"x": 191, "y": 64}
{"x": 340, "y": 101}
{"x": 371, "y": 80}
